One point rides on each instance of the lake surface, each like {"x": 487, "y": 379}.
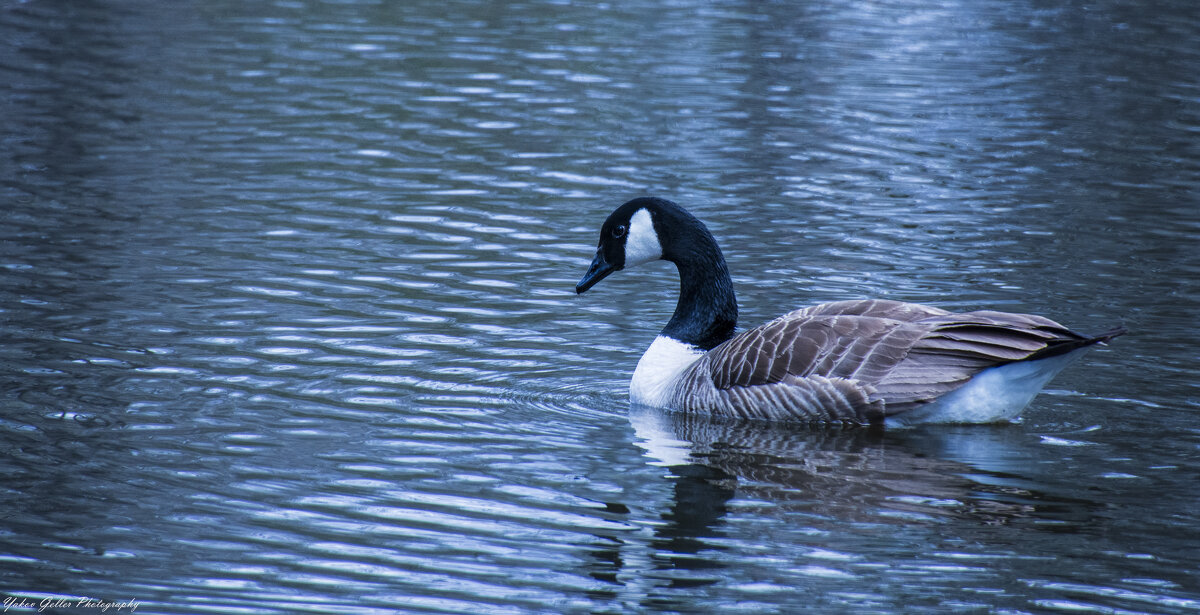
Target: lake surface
{"x": 288, "y": 323}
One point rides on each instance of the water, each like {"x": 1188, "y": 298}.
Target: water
{"x": 288, "y": 321}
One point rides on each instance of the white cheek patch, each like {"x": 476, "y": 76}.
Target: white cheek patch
{"x": 642, "y": 244}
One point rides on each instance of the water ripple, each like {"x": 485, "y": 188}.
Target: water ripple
{"x": 289, "y": 324}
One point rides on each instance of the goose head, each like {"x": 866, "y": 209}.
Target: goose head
{"x": 629, "y": 237}
{"x": 645, "y": 230}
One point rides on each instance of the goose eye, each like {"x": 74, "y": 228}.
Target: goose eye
{"x": 619, "y": 231}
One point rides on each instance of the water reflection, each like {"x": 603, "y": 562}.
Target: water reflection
{"x": 837, "y": 495}
{"x": 839, "y": 475}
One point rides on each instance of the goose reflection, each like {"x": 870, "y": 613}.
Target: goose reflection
{"x": 857, "y": 475}
{"x": 725, "y": 477}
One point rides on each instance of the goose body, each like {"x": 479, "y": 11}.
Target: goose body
{"x": 858, "y": 362}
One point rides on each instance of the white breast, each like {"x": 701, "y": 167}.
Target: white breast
{"x": 659, "y": 368}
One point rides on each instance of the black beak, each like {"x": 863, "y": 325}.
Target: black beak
{"x": 598, "y": 271}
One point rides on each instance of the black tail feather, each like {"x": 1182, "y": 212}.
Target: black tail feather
{"x": 1108, "y": 335}
{"x": 1064, "y": 346}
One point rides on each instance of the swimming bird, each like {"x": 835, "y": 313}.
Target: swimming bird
{"x": 864, "y": 362}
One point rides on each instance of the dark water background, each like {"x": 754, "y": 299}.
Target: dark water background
{"x": 287, "y": 320}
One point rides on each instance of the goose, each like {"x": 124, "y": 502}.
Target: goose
{"x": 855, "y": 362}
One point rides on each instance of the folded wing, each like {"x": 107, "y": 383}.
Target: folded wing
{"x": 838, "y": 362}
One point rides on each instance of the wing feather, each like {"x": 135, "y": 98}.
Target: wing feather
{"x": 838, "y": 362}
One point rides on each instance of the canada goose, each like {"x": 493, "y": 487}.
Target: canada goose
{"x": 850, "y": 362}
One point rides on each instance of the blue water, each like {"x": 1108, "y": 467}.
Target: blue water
{"x": 288, "y": 322}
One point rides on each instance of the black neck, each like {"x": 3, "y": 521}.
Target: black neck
{"x": 706, "y": 314}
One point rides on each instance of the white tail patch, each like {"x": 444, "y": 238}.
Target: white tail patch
{"x": 994, "y": 395}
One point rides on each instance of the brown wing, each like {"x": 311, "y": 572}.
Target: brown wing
{"x": 879, "y": 308}
{"x": 858, "y": 361}
{"x": 815, "y": 364}
{"x": 958, "y": 346}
